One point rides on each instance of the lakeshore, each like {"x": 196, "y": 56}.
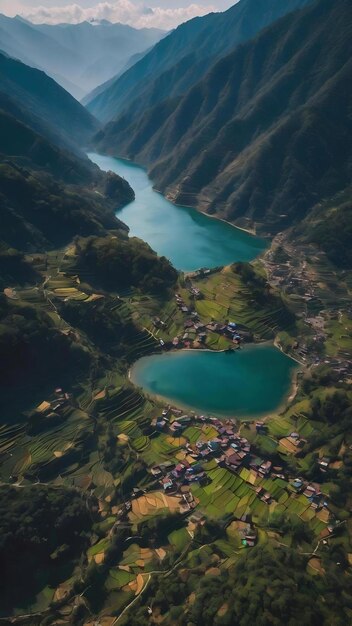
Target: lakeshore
{"x": 243, "y": 383}
{"x": 189, "y": 238}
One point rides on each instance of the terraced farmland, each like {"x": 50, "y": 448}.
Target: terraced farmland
{"x": 227, "y": 298}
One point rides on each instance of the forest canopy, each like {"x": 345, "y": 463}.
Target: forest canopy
{"x": 122, "y": 263}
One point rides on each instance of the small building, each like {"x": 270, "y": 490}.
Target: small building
{"x": 167, "y": 483}
{"x": 214, "y": 445}
{"x": 156, "y": 472}
{"x": 176, "y": 428}
{"x": 297, "y": 484}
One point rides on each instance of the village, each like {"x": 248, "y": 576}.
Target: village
{"x": 205, "y": 443}
{"x": 196, "y": 332}
{"x": 232, "y": 453}
{"x": 228, "y": 449}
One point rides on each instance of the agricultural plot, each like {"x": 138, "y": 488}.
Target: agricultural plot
{"x": 159, "y": 450}
{"x": 118, "y": 578}
{"x": 226, "y": 297}
{"x": 179, "y": 539}
{"x": 152, "y": 504}
{"x": 227, "y": 493}
{"x": 339, "y": 335}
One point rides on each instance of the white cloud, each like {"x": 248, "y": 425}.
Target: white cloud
{"x": 119, "y": 11}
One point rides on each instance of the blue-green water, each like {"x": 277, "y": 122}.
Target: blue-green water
{"x": 251, "y": 381}
{"x": 189, "y": 239}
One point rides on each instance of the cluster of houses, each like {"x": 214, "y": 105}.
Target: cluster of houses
{"x": 195, "y": 332}
{"x": 230, "y": 450}
{"x": 312, "y": 492}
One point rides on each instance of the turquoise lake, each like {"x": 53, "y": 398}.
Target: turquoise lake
{"x": 252, "y": 381}
{"x": 189, "y": 239}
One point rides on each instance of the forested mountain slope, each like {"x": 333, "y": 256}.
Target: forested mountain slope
{"x": 49, "y": 190}
{"x": 184, "y": 57}
{"x": 266, "y": 134}
{"x": 55, "y": 109}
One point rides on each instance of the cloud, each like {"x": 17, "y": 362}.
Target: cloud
{"x": 123, "y": 11}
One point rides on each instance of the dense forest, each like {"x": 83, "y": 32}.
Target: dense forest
{"x": 120, "y": 263}
{"x": 42, "y": 532}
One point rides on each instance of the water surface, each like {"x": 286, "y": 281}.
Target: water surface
{"x": 189, "y": 239}
{"x": 250, "y": 381}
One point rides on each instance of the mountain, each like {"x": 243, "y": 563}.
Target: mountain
{"x": 52, "y": 108}
{"x": 184, "y": 57}
{"x": 266, "y": 134}
{"x": 49, "y": 190}
{"x": 78, "y": 56}
{"x": 101, "y": 88}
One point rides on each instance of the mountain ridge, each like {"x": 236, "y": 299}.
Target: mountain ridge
{"x": 237, "y": 144}
{"x": 78, "y": 56}
{"x": 181, "y": 59}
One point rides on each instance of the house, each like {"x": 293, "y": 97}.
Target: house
{"x": 260, "y": 427}
{"x": 43, "y": 407}
{"x": 265, "y": 468}
{"x": 309, "y": 491}
{"x": 167, "y": 483}
{"x": 185, "y": 419}
{"x": 251, "y": 537}
{"x": 232, "y": 458}
{"x": 324, "y": 463}
{"x": 156, "y": 472}
{"x": 176, "y": 428}
{"x": 195, "y": 469}
{"x": 214, "y": 445}
{"x": 160, "y": 425}
{"x": 297, "y": 484}
{"x": 203, "y": 479}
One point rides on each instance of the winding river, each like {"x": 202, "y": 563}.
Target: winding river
{"x": 248, "y": 382}
{"x": 189, "y": 239}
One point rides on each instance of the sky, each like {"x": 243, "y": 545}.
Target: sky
{"x": 165, "y": 14}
